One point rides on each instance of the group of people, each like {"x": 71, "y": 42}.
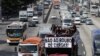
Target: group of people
{"x": 65, "y": 32}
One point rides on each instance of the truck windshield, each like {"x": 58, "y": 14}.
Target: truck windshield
{"x": 23, "y": 15}
{"x": 28, "y": 49}
{"x": 14, "y": 32}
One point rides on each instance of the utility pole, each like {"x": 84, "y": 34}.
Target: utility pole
{"x": 0, "y": 9}
{"x": 43, "y": 10}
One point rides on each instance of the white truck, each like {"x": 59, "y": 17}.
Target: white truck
{"x": 23, "y": 16}
{"x": 30, "y": 12}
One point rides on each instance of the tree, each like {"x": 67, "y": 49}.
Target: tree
{"x": 11, "y": 7}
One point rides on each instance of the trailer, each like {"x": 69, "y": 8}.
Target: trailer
{"x": 60, "y": 42}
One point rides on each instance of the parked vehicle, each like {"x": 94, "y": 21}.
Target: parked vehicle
{"x": 23, "y": 16}
{"x": 96, "y": 42}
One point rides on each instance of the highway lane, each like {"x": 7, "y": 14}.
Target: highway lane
{"x": 55, "y": 12}
{"x": 86, "y": 39}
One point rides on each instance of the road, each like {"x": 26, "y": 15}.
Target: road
{"x": 55, "y": 12}
{"x": 85, "y": 40}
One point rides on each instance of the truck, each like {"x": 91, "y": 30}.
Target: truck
{"x": 23, "y": 16}
{"x": 96, "y": 42}
{"x": 16, "y": 32}
{"x": 56, "y": 4}
{"x": 60, "y": 43}
{"x": 31, "y": 46}
{"x": 30, "y": 12}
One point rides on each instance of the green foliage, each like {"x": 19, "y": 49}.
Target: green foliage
{"x": 10, "y": 7}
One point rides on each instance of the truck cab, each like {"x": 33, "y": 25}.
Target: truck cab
{"x": 23, "y": 16}
{"x": 30, "y": 12}
{"x": 30, "y": 47}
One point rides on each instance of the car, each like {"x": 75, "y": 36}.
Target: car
{"x": 73, "y": 14}
{"x": 85, "y": 14}
{"x": 89, "y": 22}
{"x": 83, "y": 20}
{"x": 33, "y": 21}
{"x": 67, "y": 23}
{"x": 35, "y": 13}
{"x": 53, "y": 17}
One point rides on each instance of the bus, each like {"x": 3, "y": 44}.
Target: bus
{"x": 16, "y": 32}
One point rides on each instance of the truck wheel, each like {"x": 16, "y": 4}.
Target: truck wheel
{"x": 15, "y": 49}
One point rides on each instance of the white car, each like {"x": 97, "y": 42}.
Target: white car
{"x": 67, "y": 23}
{"x": 33, "y": 21}
{"x": 85, "y": 14}
{"x": 77, "y": 20}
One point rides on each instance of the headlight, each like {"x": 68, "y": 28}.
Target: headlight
{"x": 8, "y": 41}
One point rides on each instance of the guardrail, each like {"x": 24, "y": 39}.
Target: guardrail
{"x": 48, "y": 13}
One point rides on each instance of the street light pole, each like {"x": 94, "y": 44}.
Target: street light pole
{"x": 0, "y": 9}
{"x": 43, "y": 10}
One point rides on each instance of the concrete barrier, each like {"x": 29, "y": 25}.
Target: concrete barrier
{"x": 47, "y": 15}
